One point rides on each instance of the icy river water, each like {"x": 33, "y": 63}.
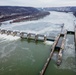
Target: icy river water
{"x": 22, "y": 57}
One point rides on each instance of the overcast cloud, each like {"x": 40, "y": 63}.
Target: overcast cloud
{"x": 38, "y": 3}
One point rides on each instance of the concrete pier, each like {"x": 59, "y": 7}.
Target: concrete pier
{"x": 28, "y": 36}
{"x": 22, "y": 34}
{"x": 14, "y": 33}
{"x": 25, "y": 35}
{"x": 36, "y": 37}
{"x": 58, "y": 45}
{"x": 75, "y": 37}
{"x": 51, "y": 54}
{"x": 9, "y": 32}
{"x": 61, "y": 49}
{"x": 2, "y": 31}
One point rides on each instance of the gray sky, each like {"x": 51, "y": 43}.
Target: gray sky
{"x": 38, "y": 3}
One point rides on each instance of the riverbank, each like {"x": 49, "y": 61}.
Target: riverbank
{"x": 18, "y": 14}
{"x": 74, "y": 13}
{"x": 31, "y": 17}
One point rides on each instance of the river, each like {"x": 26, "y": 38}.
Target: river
{"x": 23, "y": 57}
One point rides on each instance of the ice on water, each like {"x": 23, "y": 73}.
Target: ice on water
{"x": 9, "y": 37}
